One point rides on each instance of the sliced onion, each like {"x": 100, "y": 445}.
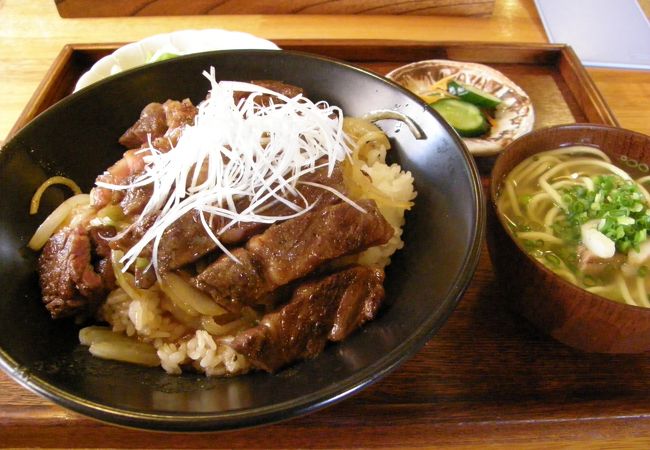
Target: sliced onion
{"x": 125, "y": 280}
{"x": 93, "y": 334}
{"x": 107, "y": 344}
{"x": 36, "y": 199}
{"x": 128, "y": 351}
{"x": 189, "y": 320}
{"x": 55, "y": 219}
{"x": 212, "y": 327}
{"x": 187, "y": 297}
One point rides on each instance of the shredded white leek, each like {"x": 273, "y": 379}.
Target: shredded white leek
{"x": 237, "y": 159}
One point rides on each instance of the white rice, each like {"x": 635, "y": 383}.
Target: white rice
{"x": 398, "y": 185}
{"x": 175, "y": 344}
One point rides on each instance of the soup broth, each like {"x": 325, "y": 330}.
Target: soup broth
{"x": 583, "y": 218}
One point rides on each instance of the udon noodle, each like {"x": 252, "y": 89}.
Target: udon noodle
{"x": 584, "y": 218}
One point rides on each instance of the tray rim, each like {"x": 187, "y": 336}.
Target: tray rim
{"x": 581, "y": 85}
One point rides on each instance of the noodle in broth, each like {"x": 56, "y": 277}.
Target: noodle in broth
{"x": 584, "y": 218}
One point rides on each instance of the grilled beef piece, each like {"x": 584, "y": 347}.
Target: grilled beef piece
{"x": 177, "y": 115}
{"x": 291, "y": 250}
{"x": 135, "y": 199}
{"x": 69, "y": 282}
{"x": 295, "y": 248}
{"x": 99, "y": 237}
{"x": 164, "y": 124}
{"x": 124, "y": 172}
{"x": 152, "y": 122}
{"x": 145, "y": 277}
{"x": 186, "y": 240}
{"x": 120, "y": 173}
{"x": 287, "y": 90}
{"x": 100, "y": 244}
{"x": 328, "y": 309}
{"x": 134, "y": 233}
{"x": 105, "y": 270}
{"x": 159, "y": 121}
{"x": 233, "y": 284}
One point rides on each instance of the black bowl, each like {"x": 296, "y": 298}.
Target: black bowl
{"x": 78, "y": 138}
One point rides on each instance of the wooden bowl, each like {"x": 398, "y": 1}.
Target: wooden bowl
{"x": 570, "y": 314}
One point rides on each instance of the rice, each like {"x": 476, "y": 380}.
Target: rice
{"x": 142, "y": 317}
{"x": 176, "y": 345}
{"x": 398, "y": 185}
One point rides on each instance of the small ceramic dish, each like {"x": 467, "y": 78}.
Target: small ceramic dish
{"x": 570, "y": 314}
{"x": 514, "y": 117}
{"x": 183, "y": 42}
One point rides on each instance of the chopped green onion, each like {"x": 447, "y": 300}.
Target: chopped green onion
{"x": 625, "y": 218}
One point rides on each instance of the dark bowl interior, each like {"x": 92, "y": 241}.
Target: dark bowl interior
{"x": 570, "y": 314}
{"x": 78, "y": 138}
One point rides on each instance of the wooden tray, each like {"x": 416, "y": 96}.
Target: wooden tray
{"x": 558, "y": 84}
{"x": 487, "y": 376}
{"x": 121, "y": 8}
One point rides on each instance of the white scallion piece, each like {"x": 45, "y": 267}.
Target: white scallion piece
{"x": 595, "y": 241}
{"x": 244, "y": 151}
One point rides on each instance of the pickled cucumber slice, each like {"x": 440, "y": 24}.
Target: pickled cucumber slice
{"x": 466, "y": 118}
{"x": 472, "y": 95}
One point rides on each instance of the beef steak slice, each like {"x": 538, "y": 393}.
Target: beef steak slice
{"x": 69, "y": 282}
{"x": 292, "y": 250}
{"x": 186, "y": 240}
{"x": 322, "y": 310}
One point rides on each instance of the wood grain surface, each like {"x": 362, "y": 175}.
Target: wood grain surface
{"x": 486, "y": 380}
{"x": 120, "y": 8}
{"x": 559, "y": 86}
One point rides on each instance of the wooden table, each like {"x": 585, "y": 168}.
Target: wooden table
{"x": 486, "y": 380}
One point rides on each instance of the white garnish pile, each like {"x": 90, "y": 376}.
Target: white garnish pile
{"x": 245, "y": 151}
